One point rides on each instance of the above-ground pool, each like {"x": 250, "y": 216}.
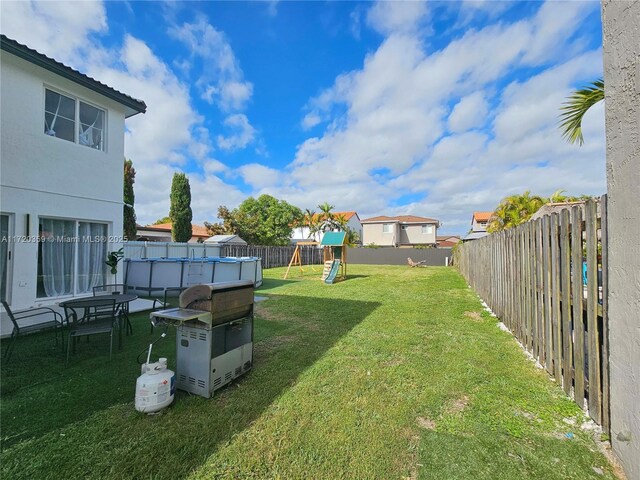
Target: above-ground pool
{"x": 151, "y": 275}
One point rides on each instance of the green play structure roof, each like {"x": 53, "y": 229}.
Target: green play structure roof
{"x": 333, "y": 239}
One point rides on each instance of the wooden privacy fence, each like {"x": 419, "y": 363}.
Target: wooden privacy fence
{"x": 274, "y": 256}
{"x": 547, "y": 281}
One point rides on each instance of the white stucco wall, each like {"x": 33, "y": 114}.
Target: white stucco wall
{"x": 47, "y": 176}
{"x": 302, "y": 233}
{"x": 621, "y": 24}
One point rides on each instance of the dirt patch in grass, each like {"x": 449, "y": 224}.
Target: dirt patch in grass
{"x": 458, "y": 405}
{"x": 268, "y": 314}
{"x": 274, "y": 343}
{"x": 394, "y": 362}
{"x": 426, "y": 423}
{"x": 271, "y": 314}
{"x": 475, "y": 316}
{"x": 412, "y": 459}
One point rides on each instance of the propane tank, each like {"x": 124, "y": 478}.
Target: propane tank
{"x": 155, "y": 388}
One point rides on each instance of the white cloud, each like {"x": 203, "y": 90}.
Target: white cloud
{"x": 310, "y": 120}
{"x": 470, "y": 112}
{"x": 221, "y": 79}
{"x": 243, "y": 133}
{"x": 553, "y": 25}
{"x": 259, "y": 176}
{"x": 60, "y": 30}
{"x": 385, "y": 142}
{"x": 396, "y": 16}
{"x": 410, "y": 131}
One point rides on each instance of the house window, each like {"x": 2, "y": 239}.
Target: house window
{"x": 386, "y": 228}
{"x": 62, "y": 114}
{"x": 71, "y": 256}
{"x": 403, "y": 227}
{"x": 427, "y": 229}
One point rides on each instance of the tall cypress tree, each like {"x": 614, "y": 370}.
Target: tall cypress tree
{"x": 180, "y": 211}
{"x": 129, "y": 214}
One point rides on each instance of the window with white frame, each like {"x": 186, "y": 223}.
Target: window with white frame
{"x": 71, "y": 256}
{"x": 73, "y": 120}
{"x": 404, "y": 227}
{"x": 427, "y": 229}
{"x": 386, "y": 228}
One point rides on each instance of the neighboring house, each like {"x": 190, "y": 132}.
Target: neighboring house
{"x": 401, "y": 231}
{"x": 447, "y": 241}
{"x": 62, "y": 151}
{"x": 231, "y": 240}
{"x": 479, "y": 222}
{"x": 162, "y": 233}
{"x": 303, "y": 234}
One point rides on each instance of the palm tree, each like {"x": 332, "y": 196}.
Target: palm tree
{"x": 574, "y": 109}
{"x": 310, "y": 219}
{"x": 326, "y": 219}
{"x": 514, "y": 210}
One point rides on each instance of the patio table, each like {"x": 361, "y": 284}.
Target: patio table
{"x": 122, "y": 302}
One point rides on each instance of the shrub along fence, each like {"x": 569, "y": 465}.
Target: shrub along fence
{"x": 547, "y": 281}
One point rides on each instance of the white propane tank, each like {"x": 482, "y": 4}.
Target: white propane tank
{"x": 155, "y": 388}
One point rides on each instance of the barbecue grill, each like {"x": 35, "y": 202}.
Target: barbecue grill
{"x": 214, "y": 337}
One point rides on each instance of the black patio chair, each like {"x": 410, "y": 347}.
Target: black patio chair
{"x": 54, "y": 322}
{"x": 110, "y": 289}
{"x": 123, "y": 308}
{"x": 91, "y": 317}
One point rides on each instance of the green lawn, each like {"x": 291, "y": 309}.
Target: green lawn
{"x": 395, "y": 373}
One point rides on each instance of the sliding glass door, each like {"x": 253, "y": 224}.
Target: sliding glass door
{"x": 71, "y": 257}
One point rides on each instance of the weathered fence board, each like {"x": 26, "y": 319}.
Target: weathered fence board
{"x": 577, "y": 300}
{"x": 565, "y": 287}
{"x": 547, "y": 282}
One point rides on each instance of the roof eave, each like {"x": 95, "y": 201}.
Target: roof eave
{"x": 133, "y": 106}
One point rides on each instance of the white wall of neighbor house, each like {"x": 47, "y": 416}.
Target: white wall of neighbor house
{"x": 303, "y": 233}
{"x": 621, "y": 26}
{"x": 44, "y": 176}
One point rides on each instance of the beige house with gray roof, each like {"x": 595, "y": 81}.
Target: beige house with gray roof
{"x": 400, "y": 231}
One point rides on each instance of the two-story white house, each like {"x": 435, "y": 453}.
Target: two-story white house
{"x": 62, "y": 154}
{"x": 302, "y": 233}
{"x": 401, "y": 231}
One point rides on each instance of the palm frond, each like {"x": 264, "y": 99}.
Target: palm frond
{"x": 574, "y": 109}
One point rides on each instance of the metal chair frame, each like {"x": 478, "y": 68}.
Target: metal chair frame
{"x": 56, "y": 324}
{"x": 100, "y": 316}
{"x": 123, "y": 308}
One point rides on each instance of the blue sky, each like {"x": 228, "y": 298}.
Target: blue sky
{"x": 435, "y": 109}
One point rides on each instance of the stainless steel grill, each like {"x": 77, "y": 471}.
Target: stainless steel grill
{"x": 214, "y": 337}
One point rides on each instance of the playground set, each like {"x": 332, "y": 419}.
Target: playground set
{"x": 334, "y": 255}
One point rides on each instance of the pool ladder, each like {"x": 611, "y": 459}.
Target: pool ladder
{"x": 195, "y": 273}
